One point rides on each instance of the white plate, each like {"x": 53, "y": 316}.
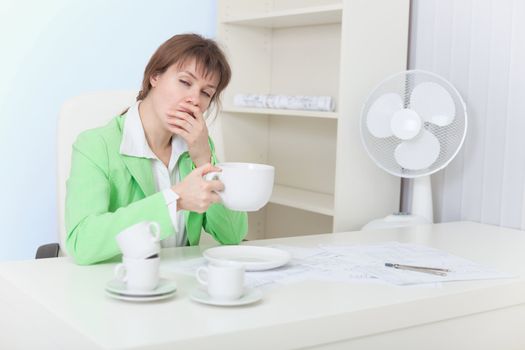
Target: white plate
{"x": 144, "y": 298}
{"x": 253, "y": 258}
{"x": 250, "y": 296}
{"x": 118, "y": 287}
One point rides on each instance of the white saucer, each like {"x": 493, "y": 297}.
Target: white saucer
{"x": 139, "y": 298}
{"x": 253, "y": 258}
{"x": 165, "y": 286}
{"x": 250, "y": 296}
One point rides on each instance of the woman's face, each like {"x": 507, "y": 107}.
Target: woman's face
{"x": 180, "y": 85}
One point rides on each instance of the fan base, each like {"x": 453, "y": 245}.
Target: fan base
{"x": 396, "y": 220}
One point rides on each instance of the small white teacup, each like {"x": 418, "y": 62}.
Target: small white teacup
{"x": 247, "y": 186}
{"x": 223, "y": 281}
{"x": 138, "y": 274}
{"x": 140, "y": 240}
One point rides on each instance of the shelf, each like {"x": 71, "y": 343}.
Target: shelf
{"x": 292, "y": 18}
{"x": 283, "y": 112}
{"x": 301, "y": 199}
{"x": 310, "y": 48}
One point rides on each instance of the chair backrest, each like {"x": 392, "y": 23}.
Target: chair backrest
{"x": 76, "y": 115}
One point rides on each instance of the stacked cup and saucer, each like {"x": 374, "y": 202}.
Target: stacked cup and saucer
{"x": 137, "y": 278}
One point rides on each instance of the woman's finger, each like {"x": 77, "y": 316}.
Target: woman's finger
{"x": 216, "y": 185}
{"x": 215, "y": 198}
{"x": 196, "y": 111}
{"x": 182, "y": 124}
{"x": 182, "y": 116}
{"x": 177, "y": 130}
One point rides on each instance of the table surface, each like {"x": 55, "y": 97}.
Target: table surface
{"x": 58, "y": 293}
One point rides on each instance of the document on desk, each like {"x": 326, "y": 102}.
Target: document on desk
{"x": 361, "y": 263}
{"x": 372, "y": 259}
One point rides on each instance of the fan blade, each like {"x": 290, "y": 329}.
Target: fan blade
{"x": 418, "y": 153}
{"x": 433, "y": 103}
{"x": 381, "y": 112}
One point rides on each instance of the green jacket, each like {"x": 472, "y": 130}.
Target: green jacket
{"x": 108, "y": 191}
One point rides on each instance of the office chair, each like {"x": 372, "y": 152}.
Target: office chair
{"x": 76, "y": 115}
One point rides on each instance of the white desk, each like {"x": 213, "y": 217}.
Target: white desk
{"x": 55, "y": 304}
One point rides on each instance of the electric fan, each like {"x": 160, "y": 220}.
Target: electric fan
{"x": 412, "y": 125}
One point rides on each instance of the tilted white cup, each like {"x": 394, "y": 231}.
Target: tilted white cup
{"x": 247, "y": 186}
{"x": 140, "y": 240}
{"x": 138, "y": 274}
{"x": 223, "y": 281}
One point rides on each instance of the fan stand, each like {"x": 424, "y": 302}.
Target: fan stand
{"x": 422, "y": 198}
{"x": 419, "y": 198}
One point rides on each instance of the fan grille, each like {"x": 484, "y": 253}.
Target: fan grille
{"x": 450, "y": 137}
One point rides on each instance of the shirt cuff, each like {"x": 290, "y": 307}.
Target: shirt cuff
{"x": 171, "y": 202}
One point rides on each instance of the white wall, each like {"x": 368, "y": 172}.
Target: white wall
{"x": 479, "y": 45}
{"x": 52, "y": 50}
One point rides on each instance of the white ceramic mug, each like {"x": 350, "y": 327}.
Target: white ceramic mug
{"x": 138, "y": 274}
{"x": 247, "y": 186}
{"x": 140, "y": 240}
{"x": 224, "y": 281}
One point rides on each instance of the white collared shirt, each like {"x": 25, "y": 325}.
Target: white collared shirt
{"x": 134, "y": 144}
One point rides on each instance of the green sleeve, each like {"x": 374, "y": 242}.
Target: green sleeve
{"x": 91, "y": 227}
{"x": 224, "y": 225}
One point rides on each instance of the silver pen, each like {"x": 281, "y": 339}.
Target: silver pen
{"x": 431, "y": 270}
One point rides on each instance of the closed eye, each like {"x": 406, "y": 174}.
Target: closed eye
{"x": 187, "y": 83}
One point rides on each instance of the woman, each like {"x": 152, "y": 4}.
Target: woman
{"x": 148, "y": 163}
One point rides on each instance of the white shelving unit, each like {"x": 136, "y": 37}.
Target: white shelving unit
{"x": 292, "y": 18}
{"x": 306, "y": 200}
{"x": 340, "y": 48}
{"x": 282, "y": 112}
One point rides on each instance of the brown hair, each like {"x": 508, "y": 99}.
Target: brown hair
{"x": 179, "y": 49}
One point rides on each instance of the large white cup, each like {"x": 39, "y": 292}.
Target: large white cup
{"x": 224, "y": 282}
{"x": 138, "y": 274}
{"x": 140, "y": 240}
{"x": 247, "y": 186}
